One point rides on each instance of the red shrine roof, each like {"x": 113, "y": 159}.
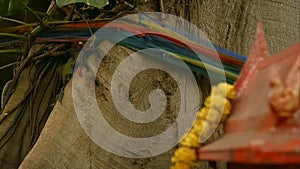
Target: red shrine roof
{"x": 264, "y": 127}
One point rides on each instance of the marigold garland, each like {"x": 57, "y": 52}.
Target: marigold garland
{"x": 185, "y": 157}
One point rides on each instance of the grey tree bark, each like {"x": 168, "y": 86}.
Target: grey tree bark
{"x": 229, "y": 24}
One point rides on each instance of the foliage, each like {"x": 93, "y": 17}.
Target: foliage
{"x": 9, "y": 7}
{"x": 95, "y": 3}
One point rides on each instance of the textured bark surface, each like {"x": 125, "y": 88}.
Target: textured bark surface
{"x": 28, "y": 108}
{"x": 230, "y": 24}
{"x": 64, "y": 144}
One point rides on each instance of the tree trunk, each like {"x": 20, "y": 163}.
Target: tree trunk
{"x": 64, "y": 144}
{"x": 229, "y": 24}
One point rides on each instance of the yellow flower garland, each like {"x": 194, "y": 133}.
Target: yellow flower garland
{"x": 185, "y": 156}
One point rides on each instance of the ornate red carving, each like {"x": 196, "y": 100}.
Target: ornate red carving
{"x": 264, "y": 127}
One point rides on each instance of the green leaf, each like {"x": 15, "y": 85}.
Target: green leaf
{"x": 9, "y": 7}
{"x": 95, "y": 3}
